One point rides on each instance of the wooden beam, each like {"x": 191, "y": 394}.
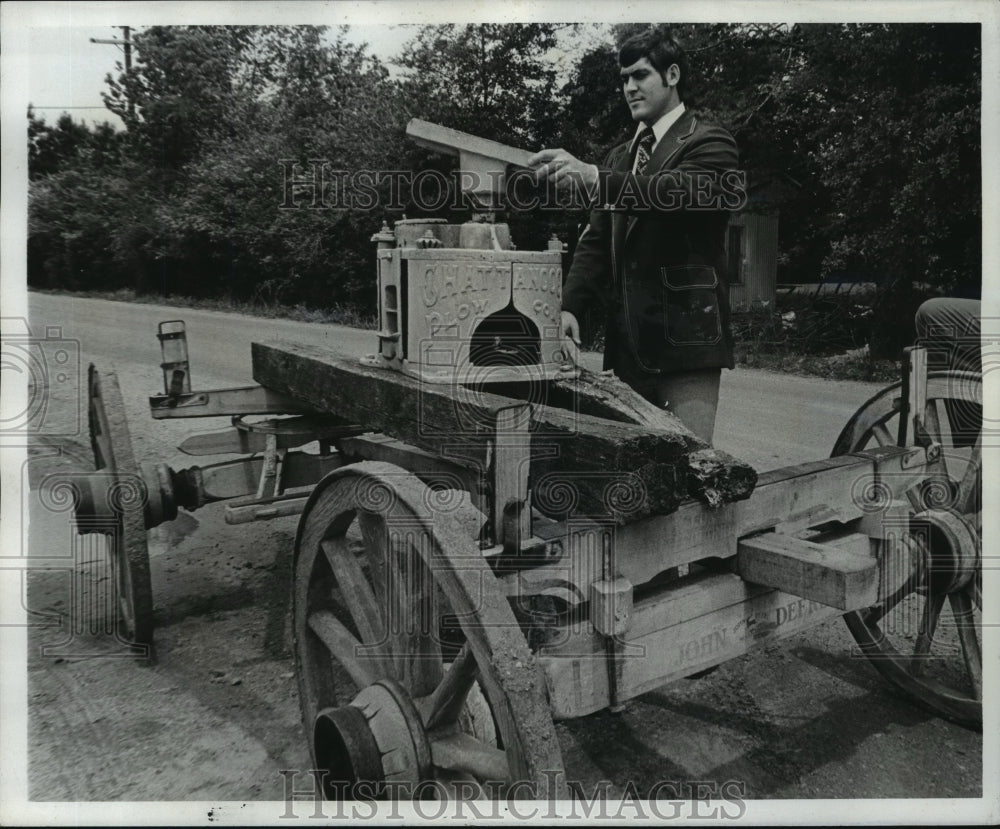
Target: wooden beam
{"x": 824, "y": 573}
{"x": 795, "y": 497}
{"x": 618, "y": 471}
{"x": 429, "y": 467}
{"x": 787, "y": 500}
{"x": 511, "y": 465}
{"x": 674, "y": 633}
{"x": 713, "y": 476}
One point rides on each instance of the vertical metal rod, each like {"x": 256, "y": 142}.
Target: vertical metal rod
{"x": 904, "y": 400}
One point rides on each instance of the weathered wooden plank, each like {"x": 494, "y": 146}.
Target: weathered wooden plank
{"x": 429, "y": 467}
{"x": 453, "y": 142}
{"x": 832, "y": 575}
{"x": 511, "y": 465}
{"x": 674, "y": 634}
{"x": 714, "y": 476}
{"x": 618, "y": 471}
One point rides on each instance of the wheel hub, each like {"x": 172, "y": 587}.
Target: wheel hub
{"x": 97, "y": 504}
{"x": 374, "y": 747}
{"x": 952, "y": 549}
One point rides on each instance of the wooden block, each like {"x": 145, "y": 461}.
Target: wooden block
{"x": 834, "y": 576}
{"x": 891, "y": 521}
{"x": 856, "y": 543}
{"x": 611, "y": 606}
{"x": 454, "y": 142}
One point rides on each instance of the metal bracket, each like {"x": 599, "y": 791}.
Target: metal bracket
{"x": 246, "y": 400}
{"x": 511, "y": 513}
{"x": 265, "y": 508}
{"x": 244, "y": 438}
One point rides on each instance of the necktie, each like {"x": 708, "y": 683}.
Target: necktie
{"x": 644, "y": 150}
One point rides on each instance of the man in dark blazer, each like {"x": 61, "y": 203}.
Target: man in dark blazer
{"x": 653, "y": 254}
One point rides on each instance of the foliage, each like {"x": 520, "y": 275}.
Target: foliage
{"x": 488, "y": 79}
{"x": 864, "y": 137}
{"x": 215, "y": 118}
{"x": 897, "y": 152}
{"x": 806, "y": 323}
{"x": 69, "y": 144}
{"x": 88, "y": 223}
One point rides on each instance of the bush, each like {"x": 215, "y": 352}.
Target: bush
{"x": 805, "y": 324}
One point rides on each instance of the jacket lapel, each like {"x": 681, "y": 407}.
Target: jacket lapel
{"x": 617, "y": 217}
{"x": 680, "y": 131}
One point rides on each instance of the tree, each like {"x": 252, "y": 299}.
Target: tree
{"x": 186, "y": 86}
{"x": 487, "y": 79}
{"x": 867, "y": 137}
{"x": 67, "y": 144}
{"x": 272, "y": 97}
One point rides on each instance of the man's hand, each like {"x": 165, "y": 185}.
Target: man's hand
{"x": 564, "y": 170}
{"x": 571, "y": 336}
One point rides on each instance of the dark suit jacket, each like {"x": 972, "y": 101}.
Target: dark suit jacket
{"x": 653, "y": 254}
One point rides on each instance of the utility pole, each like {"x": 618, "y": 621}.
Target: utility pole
{"x": 126, "y": 43}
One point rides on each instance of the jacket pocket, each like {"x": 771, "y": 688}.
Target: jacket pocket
{"x": 691, "y": 305}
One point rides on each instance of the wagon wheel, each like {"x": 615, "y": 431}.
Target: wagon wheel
{"x": 923, "y": 634}
{"x": 112, "y": 445}
{"x": 414, "y": 677}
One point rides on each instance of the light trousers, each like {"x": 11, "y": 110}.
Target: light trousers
{"x": 693, "y": 396}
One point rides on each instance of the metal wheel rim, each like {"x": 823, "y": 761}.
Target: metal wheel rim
{"x": 902, "y": 669}
{"x": 112, "y": 445}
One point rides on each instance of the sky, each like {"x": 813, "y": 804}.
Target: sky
{"x": 66, "y": 72}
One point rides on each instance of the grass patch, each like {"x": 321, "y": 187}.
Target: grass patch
{"x": 851, "y": 365}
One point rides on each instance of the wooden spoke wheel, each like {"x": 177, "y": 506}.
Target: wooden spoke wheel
{"x": 414, "y": 677}
{"x": 126, "y": 498}
{"x": 923, "y": 634}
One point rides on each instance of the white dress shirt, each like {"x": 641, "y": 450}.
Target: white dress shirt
{"x": 663, "y": 123}
{"x": 660, "y": 128}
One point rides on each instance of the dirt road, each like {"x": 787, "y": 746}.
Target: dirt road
{"x": 214, "y": 716}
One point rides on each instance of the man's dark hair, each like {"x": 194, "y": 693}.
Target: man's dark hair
{"x": 662, "y": 48}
